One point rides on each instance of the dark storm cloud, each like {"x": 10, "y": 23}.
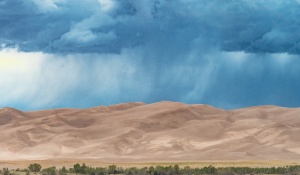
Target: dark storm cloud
{"x": 91, "y": 26}
{"x": 226, "y": 53}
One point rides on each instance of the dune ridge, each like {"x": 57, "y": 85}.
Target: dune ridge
{"x": 163, "y": 131}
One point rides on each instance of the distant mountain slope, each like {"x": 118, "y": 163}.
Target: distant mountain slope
{"x": 152, "y": 132}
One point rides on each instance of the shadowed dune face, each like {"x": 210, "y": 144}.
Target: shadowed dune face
{"x": 154, "y": 132}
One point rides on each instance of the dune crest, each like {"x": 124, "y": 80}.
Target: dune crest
{"x": 152, "y": 132}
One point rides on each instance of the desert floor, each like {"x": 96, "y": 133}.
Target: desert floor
{"x": 99, "y": 163}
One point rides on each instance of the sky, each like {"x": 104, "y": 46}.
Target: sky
{"x": 77, "y": 54}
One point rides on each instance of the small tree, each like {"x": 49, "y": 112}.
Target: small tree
{"x": 63, "y": 170}
{"x": 151, "y": 170}
{"x": 112, "y": 169}
{"x": 35, "y": 167}
{"x": 5, "y": 171}
{"x": 80, "y": 169}
{"x": 176, "y": 169}
{"x": 50, "y": 170}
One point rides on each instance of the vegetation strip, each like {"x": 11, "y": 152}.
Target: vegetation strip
{"x": 157, "y": 170}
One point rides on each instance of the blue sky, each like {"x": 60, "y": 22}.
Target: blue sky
{"x": 73, "y": 53}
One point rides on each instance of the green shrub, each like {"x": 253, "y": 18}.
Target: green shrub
{"x": 49, "y": 171}
{"x": 35, "y": 167}
{"x": 63, "y": 170}
{"x": 6, "y": 171}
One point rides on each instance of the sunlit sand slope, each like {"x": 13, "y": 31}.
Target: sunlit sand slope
{"x": 164, "y": 131}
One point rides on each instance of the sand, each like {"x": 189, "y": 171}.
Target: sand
{"x": 158, "y": 132}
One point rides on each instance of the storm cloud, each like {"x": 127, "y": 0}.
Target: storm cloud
{"x": 227, "y": 53}
{"x": 108, "y": 26}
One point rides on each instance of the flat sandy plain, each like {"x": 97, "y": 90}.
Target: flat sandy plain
{"x": 139, "y": 134}
{"x": 98, "y": 163}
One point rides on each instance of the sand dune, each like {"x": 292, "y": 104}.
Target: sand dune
{"x": 164, "y": 131}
